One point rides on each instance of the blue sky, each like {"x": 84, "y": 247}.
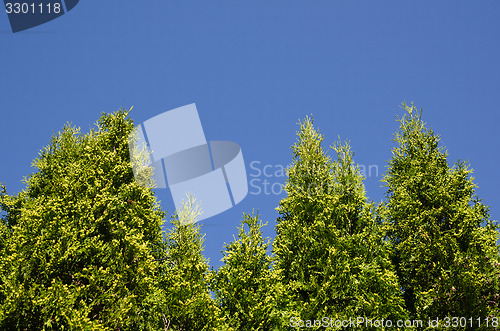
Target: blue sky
{"x": 254, "y": 68}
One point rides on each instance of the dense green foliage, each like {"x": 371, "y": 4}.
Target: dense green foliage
{"x": 329, "y": 248}
{"x": 185, "y": 275}
{"x": 80, "y": 254}
{"x": 245, "y": 287}
{"x": 444, "y": 244}
{"x": 81, "y": 247}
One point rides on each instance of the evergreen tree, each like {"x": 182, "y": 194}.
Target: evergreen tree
{"x": 245, "y": 286}
{"x": 4, "y": 229}
{"x": 443, "y": 242}
{"x": 330, "y": 250}
{"x": 82, "y": 238}
{"x": 185, "y": 275}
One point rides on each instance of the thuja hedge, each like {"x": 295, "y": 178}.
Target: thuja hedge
{"x": 81, "y": 247}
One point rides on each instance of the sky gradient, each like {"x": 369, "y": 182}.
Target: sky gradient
{"x": 254, "y": 68}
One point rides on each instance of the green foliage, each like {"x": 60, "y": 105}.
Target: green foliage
{"x": 83, "y": 238}
{"x": 81, "y": 247}
{"x": 139, "y": 159}
{"x": 6, "y": 206}
{"x": 185, "y": 275}
{"x": 443, "y": 242}
{"x": 245, "y": 287}
{"x": 330, "y": 250}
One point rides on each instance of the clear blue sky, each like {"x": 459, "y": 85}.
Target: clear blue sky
{"x": 254, "y": 68}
